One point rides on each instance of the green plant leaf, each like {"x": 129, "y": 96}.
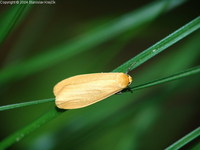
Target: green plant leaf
{"x": 88, "y": 40}
{"x": 185, "y": 140}
{"x": 50, "y": 115}
{"x": 160, "y": 46}
{"x": 31, "y": 127}
{"x": 112, "y": 110}
{"x": 12, "y": 106}
{"x": 11, "y": 19}
{"x": 180, "y": 75}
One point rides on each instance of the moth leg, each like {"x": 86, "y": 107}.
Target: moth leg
{"x": 128, "y": 89}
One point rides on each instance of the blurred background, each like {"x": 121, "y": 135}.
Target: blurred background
{"x": 44, "y": 44}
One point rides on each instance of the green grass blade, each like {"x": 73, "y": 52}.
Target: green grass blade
{"x": 28, "y": 129}
{"x": 180, "y": 75}
{"x": 50, "y": 115}
{"x": 88, "y": 40}
{"x": 11, "y": 19}
{"x": 160, "y": 46}
{"x": 186, "y": 139}
{"x": 117, "y": 107}
{"x": 148, "y": 55}
{"x": 12, "y": 106}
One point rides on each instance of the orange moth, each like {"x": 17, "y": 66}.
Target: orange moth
{"x": 83, "y": 90}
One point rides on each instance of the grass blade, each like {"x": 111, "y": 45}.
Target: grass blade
{"x": 180, "y": 75}
{"x": 186, "y": 139}
{"x": 12, "y": 106}
{"x": 28, "y": 129}
{"x": 11, "y": 19}
{"x": 160, "y": 46}
{"x": 184, "y": 31}
{"x": 88, "y": 40}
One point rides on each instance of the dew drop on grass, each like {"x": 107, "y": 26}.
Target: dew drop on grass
{"x": 19, "y": 137}
{"x": 154, "y": 51}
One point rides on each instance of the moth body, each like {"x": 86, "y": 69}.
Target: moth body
{"x": 83, "y": 90}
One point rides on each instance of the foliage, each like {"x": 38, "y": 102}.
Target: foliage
{"x": 36, "y": 62}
